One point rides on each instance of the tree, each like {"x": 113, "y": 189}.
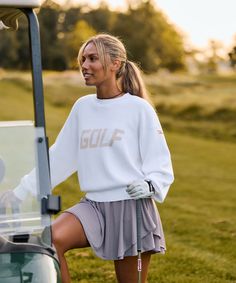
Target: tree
{"x": 232, "y": 58}
{"x": 150, "y": 39}
{"x": 72, "y": 16}
{"x": 74, "y": 39}
{"x": 101, "y": 19}
{"x": 214, "y": 57}
{"x": 8, "y": 49}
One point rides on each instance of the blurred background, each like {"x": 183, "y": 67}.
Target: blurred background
{"x": 187, "y": 51}
{"x": 196, "y": 37}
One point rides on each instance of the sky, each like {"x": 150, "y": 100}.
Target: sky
{"x": 202, "y": 20}
{"x": 199, "y": 20}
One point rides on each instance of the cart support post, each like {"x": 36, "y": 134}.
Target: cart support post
{"x": 38, "y": 98}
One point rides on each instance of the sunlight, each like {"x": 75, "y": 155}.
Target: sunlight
{"x": 199, "y": 21}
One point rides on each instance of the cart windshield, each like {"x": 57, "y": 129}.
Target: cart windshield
{"x": 18, "y": 158}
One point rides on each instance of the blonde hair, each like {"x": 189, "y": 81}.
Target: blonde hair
{"x": 129, "y": 75}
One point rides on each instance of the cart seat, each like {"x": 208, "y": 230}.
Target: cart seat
{"x": 20, "y": 3}
{"x": 7, "y": 246}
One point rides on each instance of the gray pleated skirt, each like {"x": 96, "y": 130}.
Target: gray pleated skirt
{"x": 111, "y": 229}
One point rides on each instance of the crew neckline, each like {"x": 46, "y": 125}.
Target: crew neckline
{"x": 110, "y": 100}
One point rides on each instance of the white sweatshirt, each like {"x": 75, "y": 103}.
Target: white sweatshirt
{"x": 110, "y": 143}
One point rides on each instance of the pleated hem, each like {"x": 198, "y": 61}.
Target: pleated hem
{"x": 111, "y": 228}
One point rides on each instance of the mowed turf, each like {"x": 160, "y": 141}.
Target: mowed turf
{"x": 198, "y": 215}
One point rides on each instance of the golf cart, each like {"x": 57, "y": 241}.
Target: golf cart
{"x": 26, "y": 251}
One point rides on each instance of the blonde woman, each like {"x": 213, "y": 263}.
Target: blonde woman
{"x": 114, "y": 141}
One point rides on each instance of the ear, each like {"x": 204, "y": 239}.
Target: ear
{"x": 115, "y": 65}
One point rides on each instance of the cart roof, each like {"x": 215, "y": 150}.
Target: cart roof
{"x": 10, "y": 11}
{"x": 20, "y": 3}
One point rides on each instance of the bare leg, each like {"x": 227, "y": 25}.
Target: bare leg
{"x": 126, "y": 269}
{"x": 67, "y": 234}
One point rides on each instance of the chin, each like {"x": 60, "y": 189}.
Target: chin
{"x": 89, "y": 83}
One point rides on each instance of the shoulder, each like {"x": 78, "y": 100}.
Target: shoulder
{"x": 148, "y": 117}
{"x": 141, "y": 104}
{"x": 83, "y": 100}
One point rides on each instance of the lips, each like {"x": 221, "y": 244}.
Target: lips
{"x": 87, "y": 75}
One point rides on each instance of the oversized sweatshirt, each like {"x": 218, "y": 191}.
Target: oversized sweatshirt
{"x": 110, "y": 143}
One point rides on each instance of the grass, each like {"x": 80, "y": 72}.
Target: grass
{"x": 198, "y": 215}
{"x": 198, "y": 105}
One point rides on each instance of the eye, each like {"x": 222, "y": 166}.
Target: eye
{"x": 93, "y": 58}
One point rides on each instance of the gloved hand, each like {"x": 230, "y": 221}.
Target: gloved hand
{"x": 8, "y": 198}
{"x": 139, "y": 189}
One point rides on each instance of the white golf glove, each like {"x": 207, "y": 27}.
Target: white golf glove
{"x": 140, "y": 189}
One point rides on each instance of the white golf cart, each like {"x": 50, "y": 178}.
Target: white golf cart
{"x": 26, "y": 251}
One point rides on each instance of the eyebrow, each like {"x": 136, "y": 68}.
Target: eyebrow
{"x": 89, "y": 54}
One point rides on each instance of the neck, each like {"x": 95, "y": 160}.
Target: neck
{"x": 99, "y": 96}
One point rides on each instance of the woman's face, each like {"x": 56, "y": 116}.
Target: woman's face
{"x": 92, "y": 69}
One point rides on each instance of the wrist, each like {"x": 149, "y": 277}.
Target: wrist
{"x": 151, "y": 187}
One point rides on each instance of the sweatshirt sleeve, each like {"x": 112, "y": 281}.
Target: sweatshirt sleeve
{"x": 155, "y": 155}
{"x": 63, "y": 154}
{"x": 62, "y": 157}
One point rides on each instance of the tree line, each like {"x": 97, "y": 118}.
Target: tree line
{"x": 150, "y": 39}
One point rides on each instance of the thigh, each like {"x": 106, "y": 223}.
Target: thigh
{"x": 126, "y": 269}
{"x": 68, "y": 232}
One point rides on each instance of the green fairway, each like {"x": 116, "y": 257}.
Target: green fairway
{"x": 198, "y": 218}
{"x": 198, "y": 215}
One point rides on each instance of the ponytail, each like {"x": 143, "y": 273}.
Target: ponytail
{"x": 132, "y": 80}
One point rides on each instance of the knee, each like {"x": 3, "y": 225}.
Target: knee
{"x": 58, "y": 240}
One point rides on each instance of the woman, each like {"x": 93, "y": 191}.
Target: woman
{"x": 114, "y": 140}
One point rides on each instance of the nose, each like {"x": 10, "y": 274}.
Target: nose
{"x": 84, "y": 64}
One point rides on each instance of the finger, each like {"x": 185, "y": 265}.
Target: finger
{"x": 130, "y": 187}
{"x": 136, "y": 183}
{"x": 134, "y": 189}
{"x": 136, "y": 194}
